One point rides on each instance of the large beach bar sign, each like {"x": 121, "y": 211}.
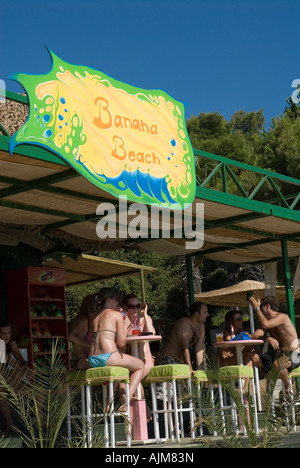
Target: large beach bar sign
{"x": 126, "y": 140}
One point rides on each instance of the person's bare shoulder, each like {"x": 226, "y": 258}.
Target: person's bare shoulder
{"x": 182, "y": 325}
{"x": 183, "y": 321}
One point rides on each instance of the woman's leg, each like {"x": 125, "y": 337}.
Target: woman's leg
{"x": 148, "y": 364}
{"x": 134, "y": 365}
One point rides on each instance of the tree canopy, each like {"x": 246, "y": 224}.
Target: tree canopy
{"x": 244, "y": 138}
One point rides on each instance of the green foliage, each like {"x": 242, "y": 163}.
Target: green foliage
{"x": 245, "y": 139}
{"x": 42, "y": 405}
{"x": 235, "y": 139}
{"x": 271, "y": 430}
{"x": 163, "y": 289}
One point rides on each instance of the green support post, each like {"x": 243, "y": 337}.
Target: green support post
{"x": 287, "y": 279}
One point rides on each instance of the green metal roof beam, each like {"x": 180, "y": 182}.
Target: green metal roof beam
{"x": 24, "y": 186}
{"x": 69, "y": 222}
{"x": 31, "y": 151}
{"x": 233, "y": 220}
{"x": 293, "y": 205}
{"x": 233, "y": 246}
{"x": 245, "y": 166}
{"x": 3, "y": 130}
{"x": 210, "y": 176}
{"x": 37, "y": 209}
{"x": 16, "y": 97}
{"x": 238, "y": 185}
{"x": 246, "y": 204}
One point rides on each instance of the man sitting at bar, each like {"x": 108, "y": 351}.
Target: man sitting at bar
{"x": 282, "y": 338}
{"x": 186, "y": 333}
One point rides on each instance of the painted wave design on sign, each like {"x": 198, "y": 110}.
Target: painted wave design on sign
{"x": 126, "y": 140}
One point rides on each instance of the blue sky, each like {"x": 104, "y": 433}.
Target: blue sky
{"x": 215, "y": 56}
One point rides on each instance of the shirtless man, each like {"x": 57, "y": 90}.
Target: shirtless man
{"x": 283, "y": 337}
{"x": 187, "y": 332}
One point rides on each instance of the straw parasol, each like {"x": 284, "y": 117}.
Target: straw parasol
{"x": 238, "y": 294}
{"x": 234, "y": 296}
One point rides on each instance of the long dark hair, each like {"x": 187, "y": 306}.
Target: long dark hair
{"x": 92, "y": 304}
{"x": 229, "y": 321}
{"x": 84, "y": 311}
{"x": 103, "y": 294}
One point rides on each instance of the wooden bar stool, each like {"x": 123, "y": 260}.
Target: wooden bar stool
{"x": 237, "y": 374}
{"x": 105, "y": 377}
{"x": 171, "y": 377}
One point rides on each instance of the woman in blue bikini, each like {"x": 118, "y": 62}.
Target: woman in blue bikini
{"x": 109, "y": 331}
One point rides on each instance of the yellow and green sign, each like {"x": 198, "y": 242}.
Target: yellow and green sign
{"x": 126, "y": 140}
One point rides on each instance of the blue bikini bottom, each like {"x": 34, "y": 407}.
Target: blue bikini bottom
{"x": 100, "y": 360}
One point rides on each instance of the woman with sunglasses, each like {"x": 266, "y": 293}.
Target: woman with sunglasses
{"x": 139, "y": 318}
{"x": 141, "y": 321}
{"x": 234, "y": 326}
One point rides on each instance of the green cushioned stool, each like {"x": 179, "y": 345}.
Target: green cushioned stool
{"x": 105, "y": 377}
{"x": 170, "y": 378}
{"x": 98, "y": 374}
{"x": 164, "y": 372}
{"x": 236, "y": 372}
{"x": 295, "y": 373}
{"x": 233, "y": 374}
{"x": 201, "y": 376}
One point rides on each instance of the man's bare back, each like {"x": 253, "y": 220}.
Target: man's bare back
{"x": 182, "y": 335}
{"x": 186, "y": 333}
